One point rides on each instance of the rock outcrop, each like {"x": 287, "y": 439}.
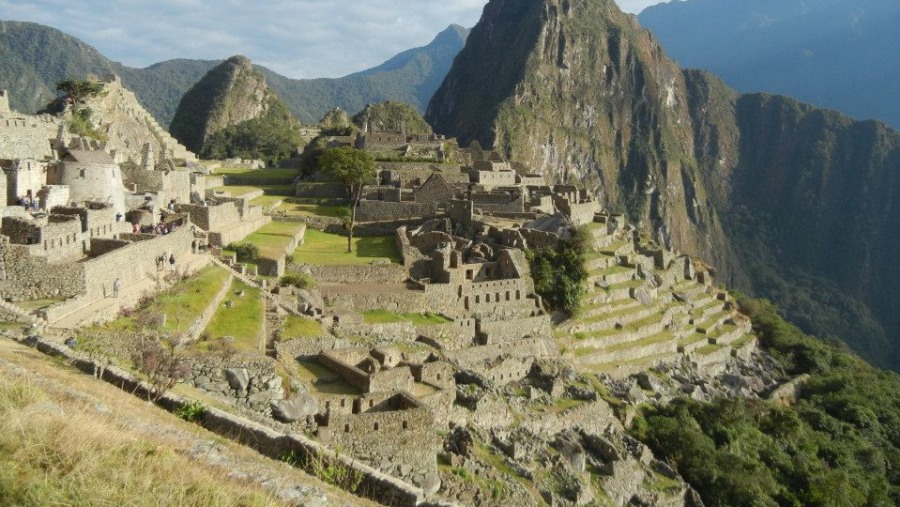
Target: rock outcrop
{"x": 130, "y": 131}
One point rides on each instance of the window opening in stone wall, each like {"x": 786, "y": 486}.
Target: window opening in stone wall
{"x": 405, "y": 425}
{"x": 487, "y": 298}
{"x": 346, "y": 428}
{"x": 469, "y": 274}
{"x": 376, "y": 426}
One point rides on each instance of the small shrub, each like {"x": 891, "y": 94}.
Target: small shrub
{"x": 298, "y": 280}
{"x": 244, "y": 252}
{"x": 161, "y": 363}
{"x": 191, "y": 411}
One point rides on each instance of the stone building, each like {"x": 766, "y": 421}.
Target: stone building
{"x": 92, "y": 175}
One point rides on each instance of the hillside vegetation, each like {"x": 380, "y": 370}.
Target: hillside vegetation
{"x": 838, "y": 443}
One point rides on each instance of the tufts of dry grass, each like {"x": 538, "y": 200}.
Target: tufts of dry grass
{"x": 66, "y": 454}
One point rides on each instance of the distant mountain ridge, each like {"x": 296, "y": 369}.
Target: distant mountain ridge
{"x": 839, "y": 54}
{"x": 34, "y": 57}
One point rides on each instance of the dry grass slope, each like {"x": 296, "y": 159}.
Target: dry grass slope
{"x": 55, "y": 455}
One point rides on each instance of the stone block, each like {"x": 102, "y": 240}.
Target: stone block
{"x": 295, "y": 409}
{"x": 238, "y": 378}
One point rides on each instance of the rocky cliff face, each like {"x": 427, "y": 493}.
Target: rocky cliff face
{"x": 229, "y": 94}
{"x": 577, "y": 90}
{"x": 785, "y": 200}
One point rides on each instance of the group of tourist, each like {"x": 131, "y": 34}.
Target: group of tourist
{"x": 162, "y": 259}
{"x": 29, "y": 203}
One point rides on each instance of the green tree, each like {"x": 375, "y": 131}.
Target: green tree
{"x": 79, "y": 89}
{"x": 354, "y": 169}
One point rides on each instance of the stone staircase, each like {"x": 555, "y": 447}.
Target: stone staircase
{"x": 633, "y": 318}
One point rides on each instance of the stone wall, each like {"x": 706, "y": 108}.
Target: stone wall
{"x": 27, "y": 137}
{"x": 450, "y": 336}
{"x": 101, "y": 246}
{"x": 238, "y": 232}
{"x": 399, "y": 378}
{"x": 398, "y": 442}
{"x": 381, "y": 211}
{"x": 214, "y": 218}
{"x": 133, "y": 262}
{"x": 351, "y": 374}
{"x": 326, "y": 190}
{"x": 409, "y": 301}
{"x": 251, "y": 381}
{"x": 394, "y": 331}
{"x": 388, "y": 273}
{"x": 505, "y": 331}
{"x": 307, "y": 348}
{"x": 24, "y": 277}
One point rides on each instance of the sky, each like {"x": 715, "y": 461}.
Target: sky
{"x": 296, "y": 38}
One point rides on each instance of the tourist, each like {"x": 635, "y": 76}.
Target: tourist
{"x": 172, "y": 261}
{"x": 117, "y": 285}
{"x": 194, "y": 246}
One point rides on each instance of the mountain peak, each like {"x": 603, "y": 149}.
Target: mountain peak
{"x": 231, "y": 93}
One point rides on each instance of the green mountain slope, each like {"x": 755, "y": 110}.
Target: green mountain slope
{"x": 785, "y": 200}
{"x": 34, "y": 57}
{"x": 232, "y": 112}
{"x": 833, "y": 53}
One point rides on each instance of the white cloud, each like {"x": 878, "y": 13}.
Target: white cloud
{"x": 298, "y": 38}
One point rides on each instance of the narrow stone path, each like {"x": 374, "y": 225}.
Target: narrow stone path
{"x": 129, "y": 295}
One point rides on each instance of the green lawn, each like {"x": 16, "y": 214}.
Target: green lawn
{"x": 418, "y": 319}
{"x": 296, "y": 327}
{"x": 241, "y": 190}
{"x": 256, "y": 174}
{"x": 274, "y": 237}
{"x": 267, "y": 200}
{"x": 323, "y": 249}
{"x": 305, "y": 209}
{"x": 243, "y": 320}
{"x": 181, "y": 304}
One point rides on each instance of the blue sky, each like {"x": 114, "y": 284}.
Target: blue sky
{"x": 297, "y": 38}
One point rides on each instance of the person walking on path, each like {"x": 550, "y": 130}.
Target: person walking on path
{"x": 117, "y": 286}
{"x": 172, "y": 261}
{"x": 194, "y": 246}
